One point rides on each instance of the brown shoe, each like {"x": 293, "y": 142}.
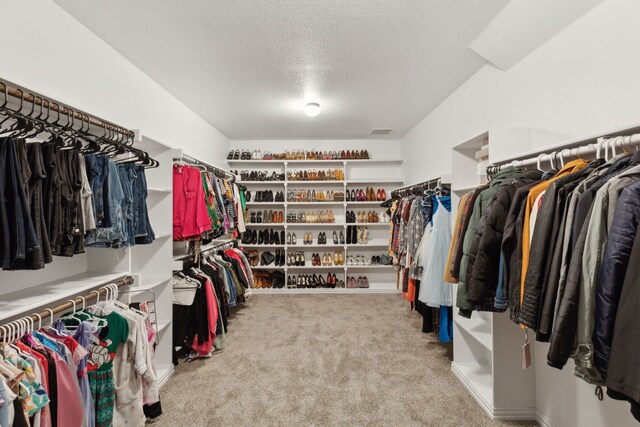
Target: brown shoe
{"x": 274, "y": 218}
{"x": 280, "y": 217}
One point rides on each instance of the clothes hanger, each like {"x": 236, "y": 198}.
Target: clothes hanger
{"x": 538, "y": 161}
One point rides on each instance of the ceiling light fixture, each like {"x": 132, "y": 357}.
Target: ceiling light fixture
{"x": 312, "y": 109}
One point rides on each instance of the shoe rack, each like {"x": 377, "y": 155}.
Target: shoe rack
{"x": 385, "y": 173}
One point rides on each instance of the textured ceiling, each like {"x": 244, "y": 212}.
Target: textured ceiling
{"x": 249, "y": 66}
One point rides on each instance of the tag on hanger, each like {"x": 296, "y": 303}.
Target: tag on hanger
{"x": 526, "y": 351}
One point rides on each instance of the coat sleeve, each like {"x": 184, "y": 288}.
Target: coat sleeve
{"x": 563, "y": 335}
{"x": 485, "y": 272}
{"x": 612, "y": 273}
{"x": 466, "y": 308}
{"x": 538, "y": 257}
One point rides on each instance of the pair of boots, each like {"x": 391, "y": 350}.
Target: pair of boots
{"x": 263, "y": 237}
{"x": 279, "y": 261}
{"x": 357, "y": 235}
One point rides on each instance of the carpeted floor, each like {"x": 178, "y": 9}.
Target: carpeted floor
{"x": 325, "y": 360}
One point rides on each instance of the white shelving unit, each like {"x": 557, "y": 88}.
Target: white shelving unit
{"x": 487, "y": 348}
{"x": 378, "y": 173}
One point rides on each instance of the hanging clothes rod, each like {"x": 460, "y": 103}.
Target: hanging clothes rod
{"x": 22, "y": 95}
{"x": 77, "y": 301}
{"x": 602, "y": 146}
{"x": 231, "y": 244}
{"x": 230, "y": 176}
{"x": 424, "y": 185}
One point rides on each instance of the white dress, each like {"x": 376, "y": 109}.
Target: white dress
{"x": 434, "y": 250}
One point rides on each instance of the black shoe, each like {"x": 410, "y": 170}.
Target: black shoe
{"x": 247, "y": 196}
{"x": 276, "y": 237}
{"x": 236, "y": 155}
{"x": 354, "y": 234}
{"x": 349, "y": 234}
{"x": 261, "y": 237}
{"x": 341, "y": 237}
{"x": 282, "y": 237}
{"x": 335, "y": 238}
{"x": 259, "y": 218}
{"x": 347, "y": 197}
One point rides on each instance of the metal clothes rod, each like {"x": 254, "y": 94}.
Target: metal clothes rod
{"x": 66, "y": 306}
{"x": 22, "y": 94}
{"x": 195, "y": 161}
{"x": 429, "y": 184}
{"x": 232, "y": 243}
{"x": 602, "y": 146}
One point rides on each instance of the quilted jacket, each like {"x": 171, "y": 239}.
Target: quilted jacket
{"x": 614, "y": 268}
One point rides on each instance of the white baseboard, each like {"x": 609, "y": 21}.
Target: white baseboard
{"x": 525, "y": 414}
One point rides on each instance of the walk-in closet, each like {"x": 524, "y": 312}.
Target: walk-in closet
{"x": 327, "y": 213}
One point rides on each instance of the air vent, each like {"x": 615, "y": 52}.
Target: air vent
{"x": 381, "y": 131}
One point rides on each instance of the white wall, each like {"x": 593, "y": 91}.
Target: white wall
{"x": 45, "y": 49}
{"x": 583, "y": 80}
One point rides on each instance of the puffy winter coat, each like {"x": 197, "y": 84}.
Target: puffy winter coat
{"x": 466, "y": 308}
{"x": 483, "y": 280}
{"x": 614, "y": 268}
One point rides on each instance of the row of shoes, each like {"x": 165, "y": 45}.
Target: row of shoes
{"x": 362, "y": 216}
{"x": 357, "y": 235}
{"x": 266, "y": 217}
{"x": 369, "y": 194}
{"x": 314, "y": 196}
{"x": 314, "y": 281}
{"x": 327, "y": 260}
{"x": 322, "y": 238}
{"x": 311, "y": 217}
{"x": 327, "y": 155}
{"x": 375, "y": 260}
{"x": 265, "y": 196}
{"x": 360, "y": 282}
{"x": 263, "y": 237}
{"x": 314, "y": 175}
{"x": 267, "y": 258}
{"x": 245, "y": 175}
{"x": 268, "y": 279}
{"x": 298, "y": 259}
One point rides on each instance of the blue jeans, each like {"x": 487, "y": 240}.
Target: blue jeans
{"x": 143, "y": 230}
{"x": 110, "y": 236}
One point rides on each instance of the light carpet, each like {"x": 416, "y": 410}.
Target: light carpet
{"x": 325, "y": 360}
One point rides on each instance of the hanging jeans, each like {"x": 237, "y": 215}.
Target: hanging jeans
{"x": 18, "y": 235}
{"x": 143, "y": 231}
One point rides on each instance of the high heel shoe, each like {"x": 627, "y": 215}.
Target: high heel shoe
{"x": 365, "y": 235}
{"x": 335, "y": 237}
{"x": 294, "y": 240}
{"x": 341, "y": 238}
{"x": 359, "y": 232}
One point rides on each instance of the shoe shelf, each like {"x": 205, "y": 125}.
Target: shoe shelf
{"x": 269, "y": 267}
{"x": 371, "y": 266}
{"x": 369, "y": 245}
{"x": 266, "y": 204}
{"x": 278, "y": 183}
{"x": 314, "y": 161}
{"x": 316, "y": 245}
{"x": 357, "y": 174}
{"x": 317, "y": 182}
{"x": 331, "y": 203}
{"x": 316, "y": 224}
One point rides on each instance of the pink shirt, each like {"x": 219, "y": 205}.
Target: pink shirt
{"x": 190, "y": 215}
